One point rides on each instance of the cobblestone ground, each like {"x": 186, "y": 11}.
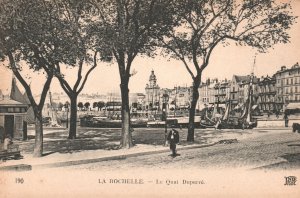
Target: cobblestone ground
{"x": 275, "y": 150}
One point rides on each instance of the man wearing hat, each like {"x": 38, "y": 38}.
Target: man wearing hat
{"x": 173, "y": 138}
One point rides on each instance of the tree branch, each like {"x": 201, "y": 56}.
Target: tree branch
{"x": 45, "y": 91}
{"x": 88, "y": 73}
{"x": 181, "y": 57}
{"x": 79, "y": 75}
{"x": 20, "y": 78}
{"x": 67, "y": 88}
{"x": 207, "y": 57}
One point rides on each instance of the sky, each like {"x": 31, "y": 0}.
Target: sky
{"x": 224, "y": 62}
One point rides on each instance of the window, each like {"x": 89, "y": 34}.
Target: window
{"x": 291, "y": 81}
{"x": 296, "y": 89}
{"x": 3, "y": 110}
{"x": 287, "y": 81}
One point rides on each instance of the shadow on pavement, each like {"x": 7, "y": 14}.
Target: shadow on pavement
{"x": 292, "y": 162}
{"x": 109, "y": 139}
{"x": 294, "y": 145}
{"x": 48, "y": 153}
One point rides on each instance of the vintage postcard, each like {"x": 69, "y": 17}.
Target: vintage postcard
{"x": 124, "y": 98}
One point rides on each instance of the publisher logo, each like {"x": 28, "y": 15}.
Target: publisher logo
{"x": 290, "y": 181}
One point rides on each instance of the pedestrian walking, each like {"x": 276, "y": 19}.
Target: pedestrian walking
{"x": 286, "y": 120}
{"x": 173, "y": 138}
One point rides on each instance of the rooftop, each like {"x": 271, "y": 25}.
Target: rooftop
{"x": 10, "y": 102}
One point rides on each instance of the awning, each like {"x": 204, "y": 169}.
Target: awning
{"x": 292, "y": 106}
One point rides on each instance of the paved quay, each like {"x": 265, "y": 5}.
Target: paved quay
{"x": 98, "y": 145}
{"x": 275, "y": 150}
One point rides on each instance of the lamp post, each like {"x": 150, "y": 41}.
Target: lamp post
{"x": 165, "y": 115}
{"x": 67, "y": 110}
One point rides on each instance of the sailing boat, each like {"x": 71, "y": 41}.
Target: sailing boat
{"x": 210, "y": 122}
{"x": 246, "y": 117}
{"x": 245, "y": 120}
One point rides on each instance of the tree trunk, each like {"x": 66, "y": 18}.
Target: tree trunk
{"x": 191, "y": 128}
{"x": 38, "y": 145}
{"x": 126, "y": 139}
{"x": 73, "y": 117}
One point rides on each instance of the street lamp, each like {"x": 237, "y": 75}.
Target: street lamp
{"x": 67, "y": 110}
{"x": 165, "y": 115}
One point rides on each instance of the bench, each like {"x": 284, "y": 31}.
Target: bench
{"x": 11, "y": 153}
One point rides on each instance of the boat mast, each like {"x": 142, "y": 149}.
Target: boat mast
{"x": 216, "y": 103}
{"x": 251, "y": 91}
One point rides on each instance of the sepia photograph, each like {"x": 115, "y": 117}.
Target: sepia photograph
{"x": 149, "y": 98}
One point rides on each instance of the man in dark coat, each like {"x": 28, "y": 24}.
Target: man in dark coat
{"x": 173, "y": 138}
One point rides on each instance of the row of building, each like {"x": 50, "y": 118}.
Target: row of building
{"x": 270, "y": 93}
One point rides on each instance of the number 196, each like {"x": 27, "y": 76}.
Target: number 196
{"x": 19, "y": 180}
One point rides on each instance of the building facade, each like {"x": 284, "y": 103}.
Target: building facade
{"x": 239, "y": 90}
{"x": 207, "y": 93}
{"x": 267, "y": 94}
{"x": 180, "y": 97}
{"x": 287, "y": 86}
{"x": 222, "y": 92}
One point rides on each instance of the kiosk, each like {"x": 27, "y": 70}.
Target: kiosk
{"x": 12, "y": 118}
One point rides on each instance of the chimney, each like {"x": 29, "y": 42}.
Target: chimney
{"x": 283, "y": 68}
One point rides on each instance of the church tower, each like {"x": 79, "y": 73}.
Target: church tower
{"x": 152, "y": 93}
